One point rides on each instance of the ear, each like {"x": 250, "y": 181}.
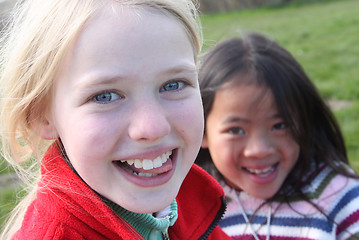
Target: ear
{"x": 44, "y": 128}
{"x": 204, "y": 141}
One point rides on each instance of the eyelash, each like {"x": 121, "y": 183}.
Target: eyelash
{"x": 279, "y": 126}
{"x": 180, "y": 84}
{"x": 240, "y": 131}
{"x": 236, "y": 131}
{"x": 112, "y": 95}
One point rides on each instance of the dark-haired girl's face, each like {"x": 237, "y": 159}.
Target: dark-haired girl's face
{"x": 248, "y": 140}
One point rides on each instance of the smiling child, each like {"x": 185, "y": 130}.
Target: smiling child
{"x": 110, "y": 89}
{"x": 274, "y": 145}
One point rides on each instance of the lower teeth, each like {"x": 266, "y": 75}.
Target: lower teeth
{"x": 264, "y": 174}
{"x": 142, "y": 174}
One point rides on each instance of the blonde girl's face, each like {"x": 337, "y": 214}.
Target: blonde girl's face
{"x": 248, "y": 140}
{"x": 127, "y": 107}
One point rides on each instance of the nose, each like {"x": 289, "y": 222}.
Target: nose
{"x": 259, "y": 145}
{"x": 149, "y": 122}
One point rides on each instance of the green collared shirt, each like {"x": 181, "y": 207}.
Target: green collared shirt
{"x": 149, "y": 226}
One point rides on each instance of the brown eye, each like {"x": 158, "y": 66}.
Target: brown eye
{"x": 236, "y": 131}
{"x": 279, "y": 126}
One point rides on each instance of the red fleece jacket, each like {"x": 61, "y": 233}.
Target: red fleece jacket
{"x": 66, "y": 208}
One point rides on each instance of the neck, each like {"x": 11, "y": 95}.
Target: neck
{"x": 148, "y": 225}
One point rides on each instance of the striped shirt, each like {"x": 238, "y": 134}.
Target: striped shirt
{"x": 336, "y": 195}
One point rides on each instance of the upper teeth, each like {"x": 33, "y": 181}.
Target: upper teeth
{"x": 259, "y": 171}
{"x": 148, "y": 164}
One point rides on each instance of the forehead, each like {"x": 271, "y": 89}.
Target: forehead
{"x": 126, "y": 23}
{"x": 247, "y": 98}
{"x": 120, "y": 33}
{"x": 128, "y": 20}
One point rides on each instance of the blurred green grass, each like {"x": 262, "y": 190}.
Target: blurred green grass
{"x": 322, "y": 34}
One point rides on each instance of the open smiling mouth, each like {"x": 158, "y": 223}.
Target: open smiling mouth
{"x": 262, "y": 172}
{"x": 147, "y": 167}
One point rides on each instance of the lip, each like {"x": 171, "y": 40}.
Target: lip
{"x": 165, "y": 172}
{"x": 263, "y": 179}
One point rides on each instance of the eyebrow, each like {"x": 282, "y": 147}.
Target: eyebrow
{"x": 235, "y": 119}
{"x": 94, "y": 79}
{"x": 239, "y": 119}
{"x": 180, "y": 71}
{"x": 182, "y": 68}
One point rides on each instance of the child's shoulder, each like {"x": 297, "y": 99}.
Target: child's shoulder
{"x": 328, "y": 183}
{"x": 58, "y": 215}
{"x": 44, "y": 220}
{"x": 334, "y": 193}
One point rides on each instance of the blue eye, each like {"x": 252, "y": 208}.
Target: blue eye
{"x": 172, "y": 86}
{"x": 236, "y": 131}
{"x": 106, "y": 97}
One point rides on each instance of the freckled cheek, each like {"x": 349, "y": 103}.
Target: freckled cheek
{"x": 97, "y": 136}
{"x": 188, "y": 118}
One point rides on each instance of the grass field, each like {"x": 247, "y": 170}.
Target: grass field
{"x": 322, "y": 35}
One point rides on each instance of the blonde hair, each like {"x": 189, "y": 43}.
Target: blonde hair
{"x": 34, "y": 45}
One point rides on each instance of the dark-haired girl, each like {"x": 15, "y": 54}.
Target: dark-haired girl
{"x": 275, "y": 146}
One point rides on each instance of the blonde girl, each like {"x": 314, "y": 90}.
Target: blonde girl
{"x": 102, "y": 115}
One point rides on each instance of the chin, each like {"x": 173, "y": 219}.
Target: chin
{"x": 150, "y": 203}
{"x": 260, "y": 194}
